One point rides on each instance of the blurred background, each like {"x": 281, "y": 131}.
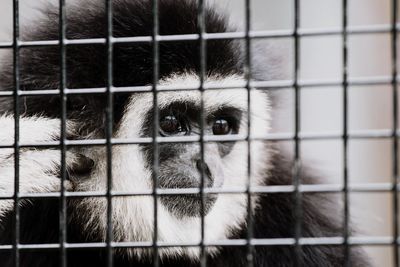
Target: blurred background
{"x": 321, "y": 110}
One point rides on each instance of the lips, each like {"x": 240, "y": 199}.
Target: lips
{"x": 189, "y": 205}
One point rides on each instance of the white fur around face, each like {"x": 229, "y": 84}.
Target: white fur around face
{"x": 133, "y": 216}
{"x": 38, "y": 168}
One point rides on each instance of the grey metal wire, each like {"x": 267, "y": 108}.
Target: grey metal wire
{"x": 255, "y": 85}
{"x": 16, "y": 61}
{"x": 202, "y": 76}
{"x": 353, "y": 30}
{"x": 63, "y": 134}
{"x": 297, "y": 161}
{"x": 109, "y": 129}
{"x": 394, "y": 135}
{"x": 156, "y": 70}
{"x": 309, "y": 241}
{"x": 248, "y": 77}
{"x": 346, "y": 231}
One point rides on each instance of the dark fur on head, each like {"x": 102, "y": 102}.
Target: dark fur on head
{"x": 86, "y": 65}
{"x": 275, "y": 214}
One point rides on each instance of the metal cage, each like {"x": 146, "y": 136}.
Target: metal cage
{"x": 297, "y": 33}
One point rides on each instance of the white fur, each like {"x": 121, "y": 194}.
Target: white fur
{"x": 133, "y": 216}
{"x": 37, "y": 167}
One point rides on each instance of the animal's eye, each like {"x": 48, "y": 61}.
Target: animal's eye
{"x": 221, "y": 127}
{"x": 172, "y": 125}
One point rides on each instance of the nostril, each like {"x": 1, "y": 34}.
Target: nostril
{"x": 83, "y": 166}
{"x": 203, "y": 167}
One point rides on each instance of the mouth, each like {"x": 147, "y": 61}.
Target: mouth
{"x": 190, "y": 205}
{"x": 186, "y": 205}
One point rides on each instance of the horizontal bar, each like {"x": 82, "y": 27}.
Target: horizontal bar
{"x": 283, "y": 33}
{"x": 304, "y": 241}
{"x": 307, "y": 136}
{"x": 258, "y": 85}
{"x": 271, "y": 189}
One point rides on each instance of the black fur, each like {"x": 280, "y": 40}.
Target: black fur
{"x": 86, "y": 67}
{"x": 133, "y": 63}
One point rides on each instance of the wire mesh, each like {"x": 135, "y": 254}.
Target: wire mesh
{"x": 248, "y": 35}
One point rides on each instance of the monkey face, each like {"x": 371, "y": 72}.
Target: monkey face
{"x": 188, "y": 165}
{"x": 181, "y": 168}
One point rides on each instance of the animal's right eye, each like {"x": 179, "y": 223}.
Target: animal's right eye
{"x": 172, "y": 125}
{"x": 221, "y": 127}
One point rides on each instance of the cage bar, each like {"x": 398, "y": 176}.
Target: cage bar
{"x": 297, "y": 160}
{"x": 109, "y": 130}
{"x": 16, "y": 61}
{"x": 63, "y": 134}
{"x": 248, "y": 77}
{"x": 346, "y": 231}
{"x": 395, "y": 135}
{"x": 156, "y": 114}
{"x": 202, "y": 77}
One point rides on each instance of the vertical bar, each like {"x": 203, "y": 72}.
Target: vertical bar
{"x": 16, "y": 61}
{"x": 155, "y": 129}
{"x": 109, "y": 129}
{"x": 63, "y": 115}
{"x": 394, "y": 134}
{"x": 345, "y": 138}
{"x": 247, "y": 73}
{"x": 297, "y": 161}
{"x": 202, "y": 77}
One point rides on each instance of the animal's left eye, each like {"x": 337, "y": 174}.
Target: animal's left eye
{"x": 221, "y": 127}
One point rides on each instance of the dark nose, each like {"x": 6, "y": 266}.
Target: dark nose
{"x": 203, "y": 167}
{"x": 82, "y": 167}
